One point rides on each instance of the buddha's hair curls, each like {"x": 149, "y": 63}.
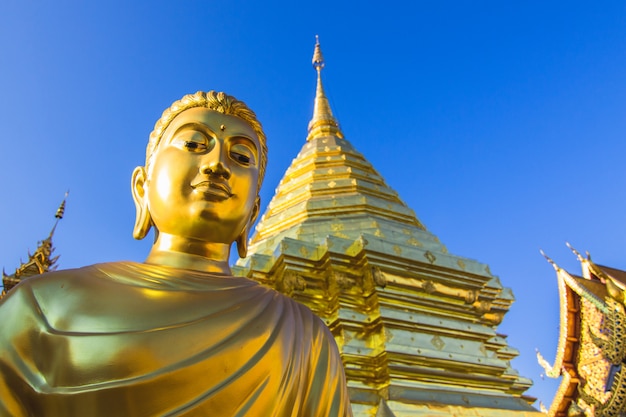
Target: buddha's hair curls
{"x": 220, "y": 102}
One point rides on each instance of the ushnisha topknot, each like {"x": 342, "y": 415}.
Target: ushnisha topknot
{"x": 218, "y": 101}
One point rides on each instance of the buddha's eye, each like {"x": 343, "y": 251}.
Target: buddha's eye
{"x": 241, "y": 158}
{"x": 242, "y": 154}
{"x": 196, "y": 144}
{"x": 192, "y": 145}
{"x": 192, "y": 141}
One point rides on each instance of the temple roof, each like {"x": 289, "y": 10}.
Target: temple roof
{"x": 590, "y": 341}
{"x": 615, "y": 273}
{"x": 590, "y": 288}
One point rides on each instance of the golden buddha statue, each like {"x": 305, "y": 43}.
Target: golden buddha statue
{"x": 176, "y": 335}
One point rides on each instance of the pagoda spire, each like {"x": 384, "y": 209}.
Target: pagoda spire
{"x": 38, "y": 262}
{"x": 323, "y": 123}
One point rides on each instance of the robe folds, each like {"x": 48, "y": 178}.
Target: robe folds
{"x": 130, "y": 339}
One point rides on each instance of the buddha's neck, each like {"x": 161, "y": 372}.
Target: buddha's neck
{"x": 186, "y": 253}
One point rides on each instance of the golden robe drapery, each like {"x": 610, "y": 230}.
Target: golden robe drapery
{"x": 130, "y": 339}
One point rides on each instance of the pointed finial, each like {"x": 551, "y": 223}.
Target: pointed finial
{"x": 323, "y": 122}
{"x": 61, "y": 210}
{"x": 59, "y": 214}
{"x": 578, "y": 255}
{"x": 554, "y": 265}
{"x": 318, "y": 58}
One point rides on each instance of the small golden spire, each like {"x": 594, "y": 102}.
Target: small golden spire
{"x": 318, "y": 58}
{"x": 59, "y": 214}
{"x": 61, "y": 210}
{"x": 38, "y": 262}
{"x": 323, "y": 122}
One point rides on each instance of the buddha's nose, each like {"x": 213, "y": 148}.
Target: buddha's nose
{"x": 215, "y": 166}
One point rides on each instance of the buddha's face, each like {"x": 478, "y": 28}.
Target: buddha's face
{"x": 202, "y": 182}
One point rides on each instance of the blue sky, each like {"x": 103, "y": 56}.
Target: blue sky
{"x": 500, "y": 123}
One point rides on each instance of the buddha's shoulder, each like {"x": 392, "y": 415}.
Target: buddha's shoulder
{"x": 32, "y": 296}
{"x": 84, "y": 297}
{"x": 67, "y": 279}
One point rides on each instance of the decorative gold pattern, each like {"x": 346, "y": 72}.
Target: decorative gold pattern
{"x": 437, "y": 342}
{"x": 292, "y": 282}
{"x": 613, "y": 345}
{"x": 429, "y": 255}
{"x": 378, "y": 277}
{"x": 615, "y": 405}
{"x": 592, "y": 367}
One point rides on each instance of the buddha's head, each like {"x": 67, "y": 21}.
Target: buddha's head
{"x": 205, "y": 162}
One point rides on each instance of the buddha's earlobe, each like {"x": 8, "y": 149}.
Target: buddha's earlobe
{"x": 242, "y": 239}
{"x": 242, "y": 243}
{"x": 142, "y": 219}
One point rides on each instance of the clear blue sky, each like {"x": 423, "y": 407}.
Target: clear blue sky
{"x": 502, "y": 124}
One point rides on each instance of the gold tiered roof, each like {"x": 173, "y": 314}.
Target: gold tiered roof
{"x": 591, "y": 348}
{"x": 416, "y": 326}
{"x": 39, "y": 261}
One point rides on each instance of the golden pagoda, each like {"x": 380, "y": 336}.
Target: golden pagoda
{"x": 416, "y": 326}
{"x": 39, "y": 261}
{"x": 592, "y": 342}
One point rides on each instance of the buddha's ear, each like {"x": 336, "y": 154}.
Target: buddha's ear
{"x": 255, "y": 210}
{"x": 242, "y": 239}
{"x": 143, "y": 222}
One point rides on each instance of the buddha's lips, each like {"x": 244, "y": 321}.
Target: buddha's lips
{"x": 213, "y": 188}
